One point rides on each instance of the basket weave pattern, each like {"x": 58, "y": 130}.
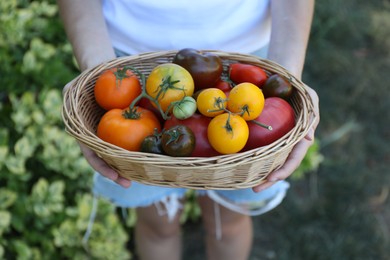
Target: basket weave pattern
{"x": 81, "y": 115}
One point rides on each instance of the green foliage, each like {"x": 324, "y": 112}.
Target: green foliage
{"x": 45, "y": 199}
{"x": 31, "y": 38}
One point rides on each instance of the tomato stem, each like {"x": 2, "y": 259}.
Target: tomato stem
{"x": 166, "y": 84}
{"x": 174, "y": 135}
{"x": 144, "y": 94}
{"x": 219, "y": 104}
{"x": 228, "y": 126}
{"x": 245, "y": 109}
{"x": 132, "y": 113}
{"x": 262, "y": 125}
{"x": 120, "y": 74}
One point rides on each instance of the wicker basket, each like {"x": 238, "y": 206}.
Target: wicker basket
{"x": 241, "y": 170}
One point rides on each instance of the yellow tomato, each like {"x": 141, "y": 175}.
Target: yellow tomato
{"x": 246, "y": 99}
{"x": 211, "y": 102}
{"x": 228, "y": 133}
{"x": 169, "y": 82}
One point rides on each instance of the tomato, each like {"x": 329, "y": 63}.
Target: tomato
{"x": 239, "y": 73}
{"x": 184, "y": 108}
{"x": 116, "y": 88}
{"x": 228, "y": 133}
{"x": 198, "y": 124}
{"x": 152, "y": 144}
{"x": 277, "y": 86}
{"x": 246, "y": 99}
{"x": 146, "y": 103}
{"x": 169, "y": 82}
{"x": 225, "y": 86}
{"x": 127, "y": 129}
{"x": 211, "y": 102}
{"x": 278, "y": 114}
{"x": 205, "y": 67}
{"x": 178, "y": 141}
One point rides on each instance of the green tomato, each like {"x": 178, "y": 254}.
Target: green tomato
{"x": 184, "y": 108}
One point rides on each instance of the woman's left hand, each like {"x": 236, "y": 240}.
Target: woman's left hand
{"x": 297, "y": 154}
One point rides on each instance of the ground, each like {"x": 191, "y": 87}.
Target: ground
{"x": 342, "y": 210}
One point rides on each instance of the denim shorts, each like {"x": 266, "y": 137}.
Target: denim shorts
{"x": 140, "y": 195}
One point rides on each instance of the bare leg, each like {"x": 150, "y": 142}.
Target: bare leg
{"x": 155, "y": 236}
{"x": 236, "y": 232}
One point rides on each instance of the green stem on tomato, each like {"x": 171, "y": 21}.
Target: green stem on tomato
{"x": 144, "y": 94}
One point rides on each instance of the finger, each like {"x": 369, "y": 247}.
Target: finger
{"x": 98, "y": 164}
{"x": 293, "y": 161}
{"x": 125, "y": 183}
{"x": 310, "y": 135}
{"x": 263, "y": 186}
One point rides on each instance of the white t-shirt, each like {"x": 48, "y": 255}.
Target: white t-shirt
{"x": 137, "y": 26}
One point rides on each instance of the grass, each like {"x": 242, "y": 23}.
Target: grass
{"x": 342, "y": 210}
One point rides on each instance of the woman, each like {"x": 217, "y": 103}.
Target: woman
{"x": 276, "y": 29}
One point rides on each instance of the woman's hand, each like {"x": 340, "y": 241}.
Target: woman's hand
{"x": 97, "y": 163}
{"x": 102, "y": 167}
{"x": 297, "y": 154}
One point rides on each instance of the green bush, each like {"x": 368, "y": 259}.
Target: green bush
{"x": 45, "y": 199}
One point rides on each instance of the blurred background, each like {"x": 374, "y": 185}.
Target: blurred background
{"x": 338, "y": 205}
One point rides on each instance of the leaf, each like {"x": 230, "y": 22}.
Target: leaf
{"x": 22, "y": 249}
{"x": 7, "y": 198}
{"x": 52, "y": 104}
{"x": 16, "y": 165}
{"x": 5, "y": 220}
{"x": 24, "y": 148}
{"x": 46, "y": 198}
{"x": 4, "y": 136}
{"x": 67, "y": 235}
{"x": 3, "y": 155}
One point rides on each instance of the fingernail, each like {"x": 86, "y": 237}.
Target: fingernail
{"x": 310, "y": 135}
{"x": 257, "y": 190}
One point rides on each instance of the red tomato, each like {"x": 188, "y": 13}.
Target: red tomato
{"x": 198, "y": 124}
{"x": 224, "y": 86}
{"x": 240, "y": 73}
{"x": 118, "y": 127}
{"x": 116, "y": 88}
{"x": 278, "y": 114}
{"x": 146, "y": 103}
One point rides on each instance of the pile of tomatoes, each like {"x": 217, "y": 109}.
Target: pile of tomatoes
{"x": 192, "y": 107}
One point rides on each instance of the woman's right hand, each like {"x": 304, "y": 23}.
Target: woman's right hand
{"x": 98, "y": 164}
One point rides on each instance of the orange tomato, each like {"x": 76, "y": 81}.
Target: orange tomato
{"x": 246, "y": 99}
{"x": 211, "y": 102}
{"x": 228, "y": 133}
{"x": 169, "y": 82}
{"x": 127, "y": 129}
{"x": 116, "y": 88}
